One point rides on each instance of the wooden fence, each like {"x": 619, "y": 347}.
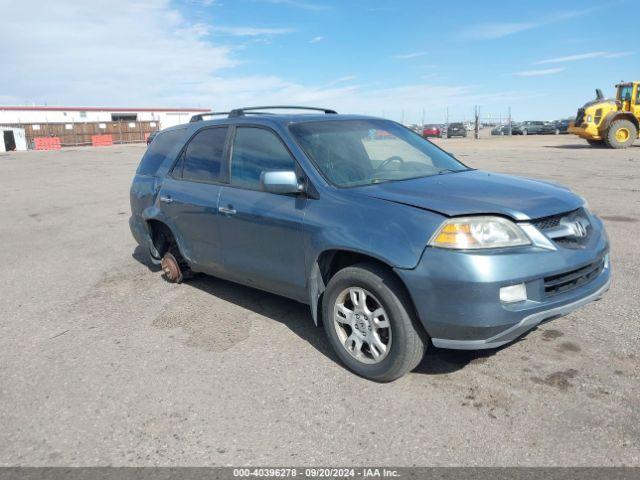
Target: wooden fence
{"x": 74, "y": 134}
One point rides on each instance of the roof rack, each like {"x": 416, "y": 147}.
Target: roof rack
{"x": 200, "y": 116}
{"x": 239, "y": 112}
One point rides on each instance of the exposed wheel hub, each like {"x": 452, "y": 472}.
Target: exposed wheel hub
{"x": 171, "y": 268}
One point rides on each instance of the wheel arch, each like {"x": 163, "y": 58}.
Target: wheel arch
{"x": 619, "y": 116}
{"x": 160, "y": 236}
{"x": 331, "y": 261}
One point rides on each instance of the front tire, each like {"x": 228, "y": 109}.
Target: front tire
{"x": 369, "y": 321}
{"x": 621, "y": 134}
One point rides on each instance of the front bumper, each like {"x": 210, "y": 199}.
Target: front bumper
{"x": 456, "y": 293}
{"x": 587, "y": 131}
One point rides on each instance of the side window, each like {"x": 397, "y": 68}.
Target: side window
{"x": 203, "y": 159}
{"x": 256, "y": 150}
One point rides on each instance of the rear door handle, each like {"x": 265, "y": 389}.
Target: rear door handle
{"x": 166, "y": 199}
{"x": 227, "y": 210}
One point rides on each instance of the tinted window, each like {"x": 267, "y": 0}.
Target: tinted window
{"x": 256, "y": 150}
{"x": 203, "y": 159}
{"x": 158, "y": 150}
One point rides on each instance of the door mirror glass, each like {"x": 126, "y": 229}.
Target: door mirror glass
{"x": 280, "y": 182}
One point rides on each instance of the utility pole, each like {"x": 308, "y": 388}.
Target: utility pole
{"x": 477, "y": 123}
{"x": 422, "y": 124}
{"x": 510, "y": 121}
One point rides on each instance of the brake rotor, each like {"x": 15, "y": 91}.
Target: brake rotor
{"x": 171, "y": 268}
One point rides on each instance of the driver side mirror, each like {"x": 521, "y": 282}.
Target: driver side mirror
{"x": 283, "y": 182}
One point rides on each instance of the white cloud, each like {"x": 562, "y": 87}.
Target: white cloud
{"x": 487, "y": 31}
{"x": 316, "y": 39}
{"x": 407, "y": 56}
{"x": 250, "y": 31}
{"x": 303, "y": 4}
{"x": 346, "y": 78}
{"x": 497, "y": 30}
{"x": 586, "y": 56}
{"x": 145, "y": 53}
{"x": 573, "y": 58}
{"x": 619, "y": 54}
{"x": 539, "y": 73}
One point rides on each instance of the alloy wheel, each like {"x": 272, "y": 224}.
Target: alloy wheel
{"x": 362, "y": 325}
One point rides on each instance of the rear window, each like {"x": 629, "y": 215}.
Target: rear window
{"x": 162, "y": 145}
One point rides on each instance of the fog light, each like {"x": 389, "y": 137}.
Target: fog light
{"x": 606, "y": 261}
{"x": 513, "y": 293}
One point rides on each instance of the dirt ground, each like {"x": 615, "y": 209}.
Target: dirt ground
{"x": 104, "y": 363}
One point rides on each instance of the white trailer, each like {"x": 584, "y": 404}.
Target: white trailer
{"x": 12, "y": 139}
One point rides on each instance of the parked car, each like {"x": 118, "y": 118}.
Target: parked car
{"x": 456, "y": 130}
{"x": 504, "y": 130}
{"x": 562, "y": 126}
{"x": 151, "y": 136}
{"x": 431, "y": 131}
{"x": 538, "y": 128}
{"x": 395, "y": 245}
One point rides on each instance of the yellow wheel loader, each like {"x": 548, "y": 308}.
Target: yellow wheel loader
{"x": 614, "y": 123}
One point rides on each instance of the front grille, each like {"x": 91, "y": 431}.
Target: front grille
{"x": 567, "y": 281}
{"x": 563, "y": 228}
{"x": 579, "y": 117}
{"x": 548, "y": 222}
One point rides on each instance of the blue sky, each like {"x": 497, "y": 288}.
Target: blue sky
{"x": 391, "y": 58}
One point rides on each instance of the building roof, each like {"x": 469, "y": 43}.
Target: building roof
{"x": 19, "y": 108}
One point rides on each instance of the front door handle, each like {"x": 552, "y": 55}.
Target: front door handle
{"x": 166, "y": 199}
{"x": 227, "y": 210}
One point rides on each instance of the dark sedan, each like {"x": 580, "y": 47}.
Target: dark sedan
{"x": 539, "y": 128}
{"x": 563, "y": 125}
{"x": 504, "y": 130}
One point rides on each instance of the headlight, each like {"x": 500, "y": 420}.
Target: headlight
{"x": 478, "y": 232}
{"x": 589, "y": 118}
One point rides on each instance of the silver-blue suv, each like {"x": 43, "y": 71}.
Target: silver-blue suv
{"x": 392, "y": 242}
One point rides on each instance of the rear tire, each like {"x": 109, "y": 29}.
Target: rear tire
{"x": 621, "y": 134}
{"x": 403, "y": 338}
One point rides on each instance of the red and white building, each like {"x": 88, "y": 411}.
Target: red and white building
{"x": 164, "y": 117}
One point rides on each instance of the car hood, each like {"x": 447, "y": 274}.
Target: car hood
{"x": 474, "y": 192}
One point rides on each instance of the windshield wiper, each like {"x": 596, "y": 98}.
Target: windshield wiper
{"x": 448, "y": 170}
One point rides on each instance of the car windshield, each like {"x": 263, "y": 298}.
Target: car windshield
{"x": 362, "y": 152}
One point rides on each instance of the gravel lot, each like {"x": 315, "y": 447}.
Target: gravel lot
{"x": 104, "y": 363}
